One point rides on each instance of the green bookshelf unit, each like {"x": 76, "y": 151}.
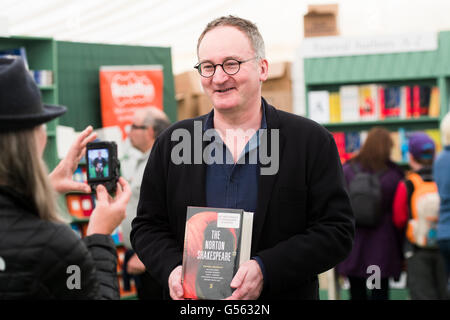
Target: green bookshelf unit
{"x": 41, "y": 55}
{"x": 403, "y": 69}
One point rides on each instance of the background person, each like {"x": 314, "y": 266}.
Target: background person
{"x": 441, "y": 173}
{"x": 303, "y": 222}
{"x": 147, "y": 125}
{"x": 424, "y": 264}
{"x": 37, "y": 247}
{"x": 379, "y": 245}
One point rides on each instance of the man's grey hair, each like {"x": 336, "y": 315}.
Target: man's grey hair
{"x": 246, "y": 26}
{"x": 155, "y": 118}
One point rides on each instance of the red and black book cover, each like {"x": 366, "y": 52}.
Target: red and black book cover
{"x": 211, "y": 252}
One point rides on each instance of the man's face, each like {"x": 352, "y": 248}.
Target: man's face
{"x": 139, "y": 137}
{"x": 238, "y": 91}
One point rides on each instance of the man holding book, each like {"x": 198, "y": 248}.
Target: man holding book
{"x": 303, "y": 224}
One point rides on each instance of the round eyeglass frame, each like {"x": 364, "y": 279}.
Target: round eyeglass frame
{"x": 199, "y": 68}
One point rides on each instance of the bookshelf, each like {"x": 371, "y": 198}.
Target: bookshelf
{"x": 41, "y": 55}
{"x": 405, "y": 69}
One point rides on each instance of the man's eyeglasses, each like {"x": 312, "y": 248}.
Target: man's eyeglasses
{"x": 135, "y": 127}
{"x": 229, "y": 66}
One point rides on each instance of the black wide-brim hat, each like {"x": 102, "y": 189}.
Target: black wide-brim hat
{"x": 21, "y": 105}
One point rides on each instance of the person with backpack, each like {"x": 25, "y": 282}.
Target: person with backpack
{"x": 441, "y": 173}
{"x": 371, "y": 178}
{"x": 416, "y": 211}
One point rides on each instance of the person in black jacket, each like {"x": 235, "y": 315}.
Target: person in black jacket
{"x": 41, "y": 256}
{"x": 303, "y": 222}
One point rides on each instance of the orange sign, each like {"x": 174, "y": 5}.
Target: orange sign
{"x": 123, "y": 89}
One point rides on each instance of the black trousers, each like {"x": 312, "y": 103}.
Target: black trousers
{"x": 147, "y": 287}
{"x": 359, "y": 290}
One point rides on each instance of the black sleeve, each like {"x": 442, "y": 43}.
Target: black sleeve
{"x": 79, "y": 269}
{"x": 329, "y": 234}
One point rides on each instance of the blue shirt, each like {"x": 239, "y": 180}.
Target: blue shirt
{"x": 229, "y": 184}
{"x": 441, "y": 173}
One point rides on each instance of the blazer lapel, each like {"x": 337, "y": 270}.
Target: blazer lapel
{"x": 266, "y": 182}
{"x": 197, "y": 171}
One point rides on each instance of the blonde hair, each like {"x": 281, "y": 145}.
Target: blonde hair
{"x": 445, "y": 130}
{"x": 25, "y": 172}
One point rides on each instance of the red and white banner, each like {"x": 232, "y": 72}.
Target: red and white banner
{"x": 123, "y": 89}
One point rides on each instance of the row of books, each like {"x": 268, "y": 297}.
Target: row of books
{"x": 41, "y": 77}
{"x": 371, "y": 102}
{"x": 349, "y": 143}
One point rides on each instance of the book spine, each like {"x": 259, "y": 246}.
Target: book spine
{"x": 416, "y": 101}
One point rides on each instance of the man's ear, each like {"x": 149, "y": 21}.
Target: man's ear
{"x": 264, "y": 69}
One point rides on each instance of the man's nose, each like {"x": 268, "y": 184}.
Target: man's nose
{"x": 219, "y": 76}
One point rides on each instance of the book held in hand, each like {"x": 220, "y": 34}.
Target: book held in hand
{"x": 216, "y": 242}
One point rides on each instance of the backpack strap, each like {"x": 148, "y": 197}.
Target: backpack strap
{"x": 415, "y": 179}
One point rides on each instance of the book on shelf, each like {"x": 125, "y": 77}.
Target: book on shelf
{"x": 15, "y": 53}
{"x": 335, "y": 107}
{"x": 74, "y": 205}
{"x": 352, "y": 144}
{"x": 319, "y": 106}
{"x": 434, "y": 109}
{"x": 390, "y": 104}
{"x": 396, "y": 151}
{"x": 349, "y": 98}
{"x": 117, "y": 235}
{"x": 368, "y": 102}
{"x": 87, "y": 204}
{"x": 339, "y": 139}
{"x": 217, "y": 241}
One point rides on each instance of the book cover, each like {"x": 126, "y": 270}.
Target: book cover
{"x": 335, "y": 107}
{"x": 86, "y": 204}
{"x": 339, "y": 139}
{"x": 352, "y": 144}
{"x": 74, "y": 205}
{"x": 216, "y": 242}
{"x": 435, "y": 135}
{"x": 416, "y": 101}
{"x": 349, "y": 96}
{"x": 406, "y": 108}
{"x": 319, "y": 106}
{"x": 392, "y": 101}
{"x": 368, "y": 105}
{"x": 424, "y": 100}
{"x": 434, "y": 110}
{"x": 396, "y": 152}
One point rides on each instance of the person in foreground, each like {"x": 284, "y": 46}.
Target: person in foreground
{"x": 40, "y": 255}
{"x": 303, "y": 222}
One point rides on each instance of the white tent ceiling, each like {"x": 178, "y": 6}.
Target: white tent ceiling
{"x": 177, "y": 23}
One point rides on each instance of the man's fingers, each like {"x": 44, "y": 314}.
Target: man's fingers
{"x": 238, "y": 278}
